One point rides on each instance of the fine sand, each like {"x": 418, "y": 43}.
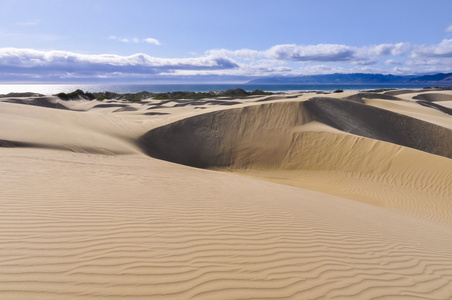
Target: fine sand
{"x": 300, "y": 196}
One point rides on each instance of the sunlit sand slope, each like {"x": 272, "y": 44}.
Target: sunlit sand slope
{"x": 79, "y": 226}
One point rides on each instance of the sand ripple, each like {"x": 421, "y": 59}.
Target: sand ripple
{"x": 374, "y": 222}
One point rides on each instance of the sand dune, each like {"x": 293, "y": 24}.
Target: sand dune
{"x": 252, "y": 135}
{"x": 276, "y": 136}
{"x": 382, "y": 125}
{"x": 383, "y": 174}
{"x": 262, "y": 135}
{"x": 369, "y": 95}
{"x": 434, "y": 97}
{"x": 363, "y": 212}
{"x": 74, "y": 131}
{"x": 49, "y": 102}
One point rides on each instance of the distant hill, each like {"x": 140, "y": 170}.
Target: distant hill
{"x": 355, "y": 78}
{"x": 440, "y": 77}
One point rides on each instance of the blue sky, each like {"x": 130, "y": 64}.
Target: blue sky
{"x": 192, "y": 41}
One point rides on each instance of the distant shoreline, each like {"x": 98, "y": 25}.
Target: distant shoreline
{"x": 52, "y": 89}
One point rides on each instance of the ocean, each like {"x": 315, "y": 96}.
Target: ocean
{"x": 51, "y": 89}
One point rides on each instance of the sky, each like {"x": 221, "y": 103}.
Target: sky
{"x": 220, "y": 41}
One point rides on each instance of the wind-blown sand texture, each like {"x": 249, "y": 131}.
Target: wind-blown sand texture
{"x": 300, "y": 196}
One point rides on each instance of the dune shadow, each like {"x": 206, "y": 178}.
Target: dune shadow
{"x": 433, "y": 105}
{"x": 434, "y": 97}
{"x": 38, "y": 101}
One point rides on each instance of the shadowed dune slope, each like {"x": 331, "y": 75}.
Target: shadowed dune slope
{"x": 262, "y": 136}
{"x": 257, "y": 135}
{"x": 433, "y": 105}
{"x": 380, "y": 124}
{"x": 434, "y": 97}
{"x": 47, "y": 101}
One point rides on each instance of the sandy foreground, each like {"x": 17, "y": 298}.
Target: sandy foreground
{"x": 298, "y": 196}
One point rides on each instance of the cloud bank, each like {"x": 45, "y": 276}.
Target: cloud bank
{"x": 285, "y": 59}
{"x": 29, "y": 60}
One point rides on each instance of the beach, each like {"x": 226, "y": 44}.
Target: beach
{"x": 288, "y": 196}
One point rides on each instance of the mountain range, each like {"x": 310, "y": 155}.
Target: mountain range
{"x": 357, "y": 78}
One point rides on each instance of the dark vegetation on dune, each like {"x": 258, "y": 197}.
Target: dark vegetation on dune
{"x": 79, "y": 94}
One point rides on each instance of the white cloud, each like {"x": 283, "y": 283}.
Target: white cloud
{"x": 320, "y": 69}
{"x": 263, "y": 67}
{"x": 435, "y": 58}
{"x": 443, "y": 49}
{"x": 323, "y": 53}
{"x": 392, "y": 62}
{"x": 152, "y": 41}
{"x": 29, "y": 23}
{"x": 375, "y": 52}
{"x": 401, "y": 49}
{"x": 19, "y": 61}
{"x": 246, "y": 54}
{"x": 124, "y": 40}
{"x": 319, "y": 53}
{"x": 448, "y": 29}
{"x": 135, "y": 40}
{"x": 286, "y": 60}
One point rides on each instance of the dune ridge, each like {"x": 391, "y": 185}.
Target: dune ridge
{"x": 434, "y": 97}
{"x": 364, "y": 211}
{"x": 261, "y": 135}
{"x": 380, "y": 124}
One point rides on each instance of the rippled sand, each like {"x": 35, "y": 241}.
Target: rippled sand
{"x": 343, "y": 196}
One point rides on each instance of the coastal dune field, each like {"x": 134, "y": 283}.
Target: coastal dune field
{"x": 284, "y": 196}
